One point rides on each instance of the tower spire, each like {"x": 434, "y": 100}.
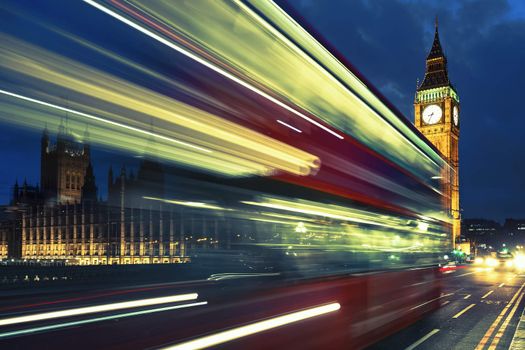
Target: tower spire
{"x": 436, "y": 74}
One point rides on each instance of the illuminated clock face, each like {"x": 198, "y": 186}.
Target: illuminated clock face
{"x": 455, "y": 115}
{"x": 432, "y": 114}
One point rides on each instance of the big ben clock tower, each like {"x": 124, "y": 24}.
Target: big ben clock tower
{"x": 436, "y": 109}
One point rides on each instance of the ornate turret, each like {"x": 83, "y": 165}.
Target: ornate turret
{"x": 436, "y": 74}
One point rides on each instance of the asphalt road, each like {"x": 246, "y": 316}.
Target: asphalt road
{"x": 479, "y": 310}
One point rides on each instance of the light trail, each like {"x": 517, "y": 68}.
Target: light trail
{"x": 337, "y": 68}
{"x": 160, "y": 19}
{"x": 98, "y": 308}
{"x": 331, "y": 76}
{"x": 289, "y": 126}
{"x": 211, "y": 66}
{"x": 188, "y": 203}
{"x": 311, "y": 210}
{"x": 92, "y": 117}
{"x": 97, "y": 319}
{"x": 428, "y": 302}
{"x": 257, "y": 327}
{"x": 228, "y": 276}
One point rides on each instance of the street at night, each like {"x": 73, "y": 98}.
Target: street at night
{"x": 480, "y": 309}
{"x": 262, "y": 174}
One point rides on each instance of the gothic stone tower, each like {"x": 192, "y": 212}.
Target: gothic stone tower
{"x": 63, "y": 167}
{"x": 436, "y": 109}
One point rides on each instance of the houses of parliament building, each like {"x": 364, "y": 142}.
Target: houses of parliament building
{"x": 64, "y": 220}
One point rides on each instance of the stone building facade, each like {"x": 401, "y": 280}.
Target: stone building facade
{"x": 64, "y": 220}
{"x": 97, "y": 233}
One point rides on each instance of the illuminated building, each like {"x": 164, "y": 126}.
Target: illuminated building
{"x": 62, "y": 167}
{"x": 64, "y": 221}
{"x": 6, "y": 228}
{"x": 96, "y": 233}
{"x": 436, "y": 109}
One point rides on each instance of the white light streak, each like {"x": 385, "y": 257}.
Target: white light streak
{"x": 289, "y": 126}
{"x": 97, "y": 319}
{"x": 211, "y": 66}
{"x": 261, "y": 326}
{"x": 227, "y": 276}
{"x": 98, "y": 308}
{"x": 90, "y": 116}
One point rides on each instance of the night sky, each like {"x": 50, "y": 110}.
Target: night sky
{"x": 387, "y": 41}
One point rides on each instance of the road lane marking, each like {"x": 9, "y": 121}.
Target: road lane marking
{"x": 503, "y": 327}
{"x": 97, "y": 319}
{"x": 422, "y": 340}
{"x": 493, "y": 326}
{"x": 427, "y": 302}
{"x": 486, "y": 295}
{"x": 98, "y": 308}
{"x": 501, "y": 285}
{"x": 464, "y": 310}
{"x": 255, "y": 327}
{"x": 445, "y": 303}
{"x": 467, "y": 296}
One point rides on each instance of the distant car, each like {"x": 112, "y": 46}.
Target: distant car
{"x": 505, "y": 260}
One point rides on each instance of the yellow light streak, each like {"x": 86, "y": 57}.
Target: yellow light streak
{"x": 189, "y": 203}
{"x": 89, "y": 116}
{"x": 290, "y": 71}
{"x": 237, "y": 150}
{"x": 211, "y": 66}
{"x": 288, "y": 217}
{"x": 311, "y": 209}
{"x": 253, "y": 328}
{"x": 98, "y": 308}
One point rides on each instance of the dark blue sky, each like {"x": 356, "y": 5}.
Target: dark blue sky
{"x": 387, "y": 41}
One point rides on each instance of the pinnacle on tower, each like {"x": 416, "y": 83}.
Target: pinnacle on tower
{"x": 436, "y": 51}
{"x": 436, "y": 74}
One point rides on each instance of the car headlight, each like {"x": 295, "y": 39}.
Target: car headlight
{"x": 491, "y": 262}
{"x": 509, "y": 263}
{"x": 519, "y": 262}
{"x": 479, "y": 260}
